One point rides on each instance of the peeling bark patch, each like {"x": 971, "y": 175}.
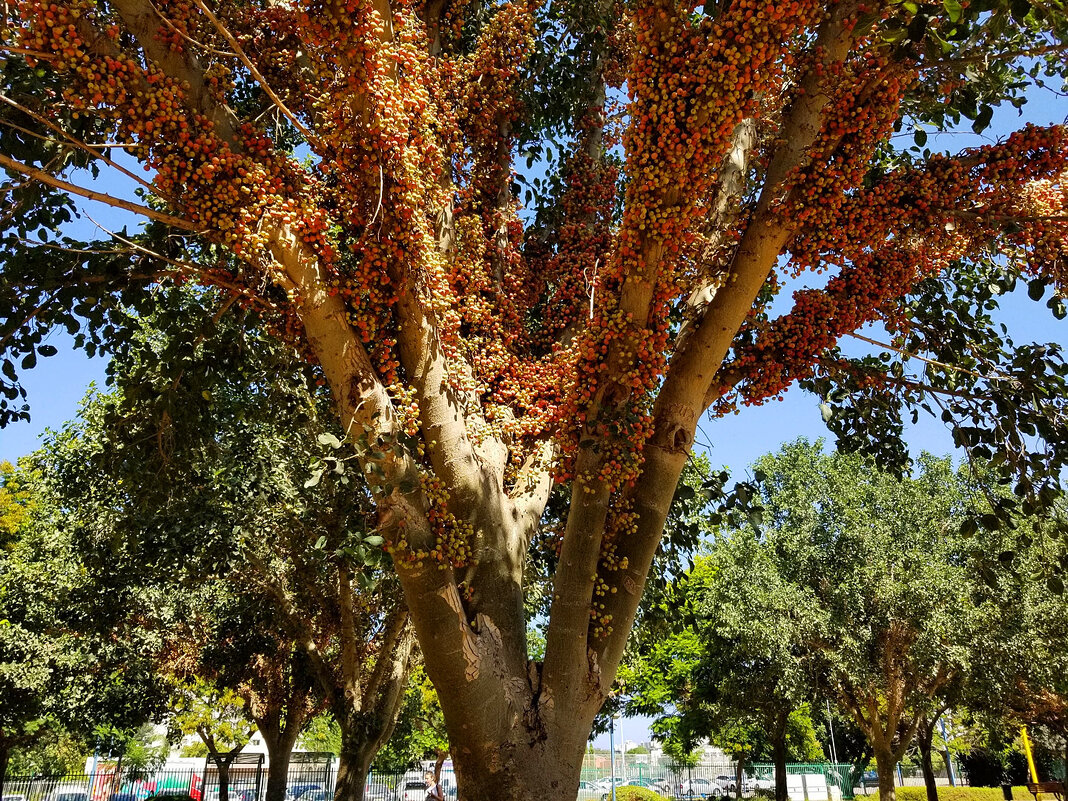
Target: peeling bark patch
{"x": 547, "y": 701}
{"x": 472, "y": 657}
{"x": 594, "y": 675}
{"x": 629, "y": 584}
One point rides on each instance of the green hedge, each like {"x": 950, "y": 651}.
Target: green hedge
{"x": 954, "y": 794}
{"x": 637, "y": 794}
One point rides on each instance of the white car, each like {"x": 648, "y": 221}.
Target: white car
{"x": 699, "y": 788}
{"x": 68, "y": 792}
{"x": 413, "y": 790}
{"x": 728, "y": 784}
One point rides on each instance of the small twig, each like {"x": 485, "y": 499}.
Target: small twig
{"x": 995, "y": 57}
{"x": 26, "y": 320}
{"x": 933, "y": 362}
{"x": 308, "y": 135}
{"x": 23, "y": 51}
{"x": 592, "y": 283}
{"x": 188, "y": 38}
{"x": 70, "y": 139}
{"x": 381, "y": 188}
{"x": 186, "y": 267}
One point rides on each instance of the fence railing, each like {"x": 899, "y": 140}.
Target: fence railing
{"x": 313, "y": 780}
{"x": 305, "y": 781}
{"x": 717, "y": 778}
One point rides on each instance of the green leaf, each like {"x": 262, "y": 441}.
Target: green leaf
{"x": 954, "y": 9}
{"x": 1055, "y": 585}
{"x": 1036, "y": 288}
{"x": 374, "y": 540}
{"x": 330, "y": 440}
{"x": 982, "y": 119}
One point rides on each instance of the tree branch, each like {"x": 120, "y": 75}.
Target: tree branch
{"x": 693, "y": 368}
{"x": 101, "y": 197}
{"x": 142, "y": 20}
{"x": 309, "y": 137}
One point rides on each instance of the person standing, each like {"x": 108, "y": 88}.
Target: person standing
{"x": 433, "y": 789}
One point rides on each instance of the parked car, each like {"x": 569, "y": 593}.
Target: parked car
{"x": 699, "y": 788}
{"x": 298, "y": 790}
{"x": 13, "y": 797}
{"x": 766, "y": 783}
{"x": 72, "y": 792}
{"x": 67, "y": 795}
{"x": 413, "y": 790}
{"x": 317, "y": 795}
{"x": 170, "y": 796}
{"x": 729, "y": 784}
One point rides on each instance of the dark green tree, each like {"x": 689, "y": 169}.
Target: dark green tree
{"x": 189, "y": 474}
{"x": 74, "y": 655}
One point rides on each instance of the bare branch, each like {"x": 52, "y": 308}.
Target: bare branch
{"x": 101, "y": 197}
{"x": 66, "y": 136}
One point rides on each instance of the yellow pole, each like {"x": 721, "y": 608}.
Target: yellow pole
{"x": 1030, "y": 757}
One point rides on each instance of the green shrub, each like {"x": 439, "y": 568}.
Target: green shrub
{"x": 953, "y": 794}
{"x": 626, "y": 793}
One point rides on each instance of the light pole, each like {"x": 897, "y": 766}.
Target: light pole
{"x": 612, "y": 751}
{"x": 949, "y": 756}
{"x": 830, "y": 725}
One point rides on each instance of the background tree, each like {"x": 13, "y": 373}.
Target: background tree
{"x": 206, "y": 494}
{"x": 740, "y": 665}
{"x": 238, "y": 643}
{"x": 219, "y": 717}
{"x": 73, "y": 654}
{"x": 880, "y": 557}
{"x": 1019, "y": 653}
{"x": 476, "y": 356}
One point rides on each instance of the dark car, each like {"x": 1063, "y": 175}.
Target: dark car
{"x": 298, "y": 790}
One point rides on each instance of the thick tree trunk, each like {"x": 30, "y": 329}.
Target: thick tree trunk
{"x": 529, "y": 773}
{"x": 778, "y": 752}
{"x": 223, "y": 766}
{"x": 279, "y": 751}
{"x": 354, "y": 764}
{"x": 925, "y": 738}
{"x": 363, "y": 733}
{"x": 885, "y": 764}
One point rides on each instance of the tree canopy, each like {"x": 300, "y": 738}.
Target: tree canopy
{"x": 186, "y": 479}
{"x": 73, "y": 656}
{"x": 348, "y": 171}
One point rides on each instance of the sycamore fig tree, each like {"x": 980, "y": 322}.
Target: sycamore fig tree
{"x": 348, "y": 169}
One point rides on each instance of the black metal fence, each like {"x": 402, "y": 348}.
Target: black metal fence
{"x": 311, "y": 777}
